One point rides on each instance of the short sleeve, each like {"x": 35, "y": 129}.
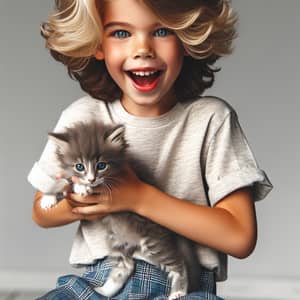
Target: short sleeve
{"x": 42, "y": 175}
{"x": 230, "y": 163}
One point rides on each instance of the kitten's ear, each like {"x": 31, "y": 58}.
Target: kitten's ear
{"x": 61, "y": 140}
{"x": 116, "y": 136}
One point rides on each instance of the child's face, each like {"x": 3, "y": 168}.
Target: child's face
{"x": 142, "y": 56}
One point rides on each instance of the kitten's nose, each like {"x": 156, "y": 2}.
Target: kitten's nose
{"x": 91, "y": 179}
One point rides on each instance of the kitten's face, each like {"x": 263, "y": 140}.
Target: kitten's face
{"x": 94, "y": 172}
{"x": 92, "y": 151}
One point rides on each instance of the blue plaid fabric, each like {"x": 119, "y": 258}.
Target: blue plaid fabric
{"x": 148, "y": 282}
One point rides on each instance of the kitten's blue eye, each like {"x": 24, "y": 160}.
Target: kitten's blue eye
{"x": 79, "y": 167}
{"x": 162, "y": 32}
{"x": 121, "y": 34}
{"x": 101, "y": 166}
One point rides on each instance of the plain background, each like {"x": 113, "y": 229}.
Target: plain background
{"x": 261, "y": 81}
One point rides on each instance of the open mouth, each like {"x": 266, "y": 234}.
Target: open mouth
{"x": 145, "y": 80}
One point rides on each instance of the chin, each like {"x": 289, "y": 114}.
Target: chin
{"x": 147, "y": 100}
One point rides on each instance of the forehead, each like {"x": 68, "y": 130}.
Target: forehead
{"x": 128, "y": 11}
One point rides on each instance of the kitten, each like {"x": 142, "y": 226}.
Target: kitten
{"x": 95, "y": 153}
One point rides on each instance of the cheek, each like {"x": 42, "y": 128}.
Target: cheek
{"x": 79, "y": 174}
{"x": 173, "y": 54}
{"x": 113, "y": 58}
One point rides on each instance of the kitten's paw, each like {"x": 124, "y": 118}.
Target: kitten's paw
{"x": 89, "y": 190}
{"x": 116, "y": 280}
{"x": 81, "y": 189}
{"x": 48, "y": 201}
{"x": 176, "y": 295}
{"x": 109, "y": 289}
{"x": 179, "y": 284}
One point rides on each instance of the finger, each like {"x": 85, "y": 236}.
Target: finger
{"x": 87, "y": 200}
{"x": 93, "y": 217}
{"x": 74, "y": 203}
{"x": 90, "y": 210}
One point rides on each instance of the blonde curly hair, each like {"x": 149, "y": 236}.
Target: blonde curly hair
{"x": 206, "y": 29}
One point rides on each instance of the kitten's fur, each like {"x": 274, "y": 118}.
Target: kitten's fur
{"x": 94, "y": 144}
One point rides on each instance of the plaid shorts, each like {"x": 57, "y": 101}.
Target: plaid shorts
{"x": 148, "y": 282}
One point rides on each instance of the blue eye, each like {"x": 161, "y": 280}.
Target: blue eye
{"x": 161, "y": 32}
{"x": 79, "y": 167}
{"x": 121, "y": 34}
{"x": 101, "y": 166}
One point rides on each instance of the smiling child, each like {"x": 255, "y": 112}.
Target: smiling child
{"x": 145, "y": 64}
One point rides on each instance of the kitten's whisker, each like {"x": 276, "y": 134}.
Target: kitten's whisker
{"x": 113, "y": 179}
{"x": 111, "y": 182}
{"x": 108, "y": 190}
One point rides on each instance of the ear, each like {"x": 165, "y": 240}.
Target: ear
{"x": 61, "y": 140}
{"x": 99, "y": 55}
{"x": 116, "y": 136}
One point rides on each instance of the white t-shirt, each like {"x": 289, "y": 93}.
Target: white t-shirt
{"x": 196, "y": 152}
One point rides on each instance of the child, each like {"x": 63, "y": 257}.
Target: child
{"x": 145, "y": 64}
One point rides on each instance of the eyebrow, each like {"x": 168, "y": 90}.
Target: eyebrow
{"x": 125, "y": 24}
{"x": 114, "y": 24}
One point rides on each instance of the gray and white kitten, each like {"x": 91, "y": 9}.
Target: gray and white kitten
{"x": 95, "y": 153}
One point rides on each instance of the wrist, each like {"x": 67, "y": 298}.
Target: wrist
{"x": 146, "y": 194}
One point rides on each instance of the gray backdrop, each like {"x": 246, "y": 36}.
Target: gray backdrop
{"x": 261, "y": 80}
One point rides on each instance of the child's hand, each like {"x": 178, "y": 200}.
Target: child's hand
{"x": 73, "y": 203}
{"x": 122, "y": 195}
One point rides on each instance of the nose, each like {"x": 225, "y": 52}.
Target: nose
{"x": 144, "y": 53}
{"x": 91, "y": 179}
{"x": 143, "y": 49}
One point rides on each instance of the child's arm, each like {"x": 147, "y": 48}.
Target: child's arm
{"x": 58, "y": 215}
{"x": 229, "y": 227}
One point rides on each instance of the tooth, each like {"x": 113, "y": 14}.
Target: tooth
{"x": 142, "y": 73}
